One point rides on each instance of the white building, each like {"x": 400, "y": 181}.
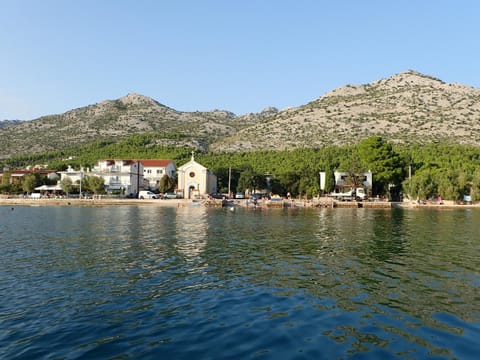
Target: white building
{"x": 124, "y": 176}
{"x": 195, "y": 180}
{"x": 343, "y": 179}
{"x": 75, "y": 176}
{"x": 154, "y": 170}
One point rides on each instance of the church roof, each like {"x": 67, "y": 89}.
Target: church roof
{"x": 192, "y": 163}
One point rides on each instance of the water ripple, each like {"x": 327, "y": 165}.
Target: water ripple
{"x": 147, "y": 282}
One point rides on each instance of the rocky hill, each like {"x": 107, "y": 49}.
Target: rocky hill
{"x": 7, "y": 123}
{"x": 117, "y": 119}
{"x": 406, "y": 108}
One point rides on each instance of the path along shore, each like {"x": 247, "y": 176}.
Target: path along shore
{"x": 319, "y": 202}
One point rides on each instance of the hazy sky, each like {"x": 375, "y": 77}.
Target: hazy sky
{"x": 237, "y": 55}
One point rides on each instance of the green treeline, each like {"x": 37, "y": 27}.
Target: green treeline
{"x": 422, "y": 171}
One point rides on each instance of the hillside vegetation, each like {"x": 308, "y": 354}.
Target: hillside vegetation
{"x": 114, "y": 120}
{"x": 449, "y": 170}
{"x": 407, "y": 108}
{"x": 418, "y": 135}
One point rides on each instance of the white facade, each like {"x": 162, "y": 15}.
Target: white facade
{"x": 72, "y": 174}
{"x": 75, "y": 176}
{"x": 365, "y": 178}
{"x": 125, "y": 176}
{"x": 155, "y": 170}
{"x": 195, "y": 180}
{"x": 340, "y": 179}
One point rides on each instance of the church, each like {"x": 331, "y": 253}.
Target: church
{"x": 195, "y": 180}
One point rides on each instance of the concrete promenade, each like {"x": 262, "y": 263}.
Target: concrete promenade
{"x": 322, "y": 202}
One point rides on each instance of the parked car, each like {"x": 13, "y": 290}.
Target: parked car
{"x": 86, "y": 195}
{"x": 145, "y": 194}
{"x": 171, "y": 195}
{"x": 240, "y": 195}
{"x": 217, "y": 195}
{"x": 257, "y": 196}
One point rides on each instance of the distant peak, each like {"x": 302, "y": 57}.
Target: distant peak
{"x": 138, "y": 99}
{"x": 226, "y": 113}
{"x": 135, "y": 99}
{"x": 411, "y": 72}
{"x": 414, "y": 75}
{"x": 269, "y": 110}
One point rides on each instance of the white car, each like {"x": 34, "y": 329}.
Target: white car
{"x": 144, "y": 194}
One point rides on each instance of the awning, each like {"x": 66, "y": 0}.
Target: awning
{"x": 49, "y": 188}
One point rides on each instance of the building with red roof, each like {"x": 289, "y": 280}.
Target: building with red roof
{"x": 154, "y": 170}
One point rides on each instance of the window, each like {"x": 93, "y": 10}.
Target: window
{"x": 192, "y": 174}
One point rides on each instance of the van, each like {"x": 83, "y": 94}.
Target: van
{"x": 35, "y": 195}
{"x": 145, "y": 194}
{"x": 361, "y": 194}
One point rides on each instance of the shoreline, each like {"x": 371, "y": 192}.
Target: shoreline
{"x": 86, "y": 202}
{"x": 242, "y": 203}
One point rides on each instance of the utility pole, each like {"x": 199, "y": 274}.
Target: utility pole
{"x": 229, "y": 179}
{"x": 138, "y": 177}
{"x": 81, "y": 176}
{"x": 410, "y": 181}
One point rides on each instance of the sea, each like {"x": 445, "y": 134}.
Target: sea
{"x": 152, "y": 282}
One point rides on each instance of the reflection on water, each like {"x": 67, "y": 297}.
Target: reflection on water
{"x": 191, "y": 230}
{"x": 194, "y": 282}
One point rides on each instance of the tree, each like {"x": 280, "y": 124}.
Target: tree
{"x": 329, "y": 180}
{"x": 386, "y": 165}
{"x": 309, "y": 183}
{"x": 351, "y": 163}
{"x": 450, "y": 184}
{"x": 276, "y": 186}
{"x": 6, "y": 176}
{"x": 30, "y": 182}
{"x": 95, "y": 184}
{"x": 290, "y": 182}
{"x": 250, "y": 180}
{"x": 5, "y": 188}
{"x": 475, "y": 186}
{"x": 167, "y": 184}
{"x": 422, "y": 185}
{"x": 67, "y": 185}
{"x": 223, "y": 175}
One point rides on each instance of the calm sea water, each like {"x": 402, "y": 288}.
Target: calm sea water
{"x": 143, "y": 282}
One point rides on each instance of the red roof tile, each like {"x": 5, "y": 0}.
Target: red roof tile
{"x": 155, "y": 163}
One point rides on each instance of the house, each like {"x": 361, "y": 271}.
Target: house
{"x": 74, "y": 175}
{"x": 124, "y": 176}
{"x": 121, "y": 176}
{"x": 16, "y": 176}
{"x": 154, "y": 170}
{"x": 348, "y": 180}
{"x": 195, "y": 180}
{"x": 344, "y": 179}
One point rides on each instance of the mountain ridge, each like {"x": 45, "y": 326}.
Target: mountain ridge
{"x": 408, "y": 107}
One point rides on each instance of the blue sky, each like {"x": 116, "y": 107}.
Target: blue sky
{"x": 241, "y": 56}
